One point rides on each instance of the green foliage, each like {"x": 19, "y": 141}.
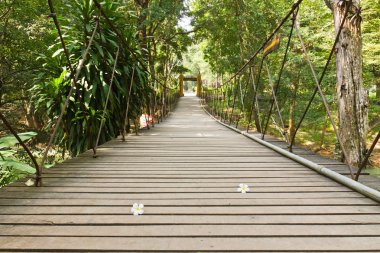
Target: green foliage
{"x": 11, "y": 169}
{"x": 231, "y": 31}
{"x": 82, "y": 119}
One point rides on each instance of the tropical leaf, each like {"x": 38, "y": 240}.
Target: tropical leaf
{"x": 10, "y": 141}
{"x": 18, "y": 166}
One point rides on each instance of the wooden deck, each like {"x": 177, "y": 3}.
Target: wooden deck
{"x": 186, "y": 172}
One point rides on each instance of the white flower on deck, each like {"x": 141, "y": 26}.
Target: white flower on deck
{"x": 30, "y": 182}
{"x": 243, "y": 188}
{"x": 137, "y": 209}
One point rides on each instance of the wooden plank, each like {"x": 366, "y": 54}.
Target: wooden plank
{"x": 129, "y": 219}
{"x": 180, "y": 160}
{"x": 192, "y": 244}
{"x": 235, "y": 180}
{"x": 192, "y": 230}
{"x": 181, "y": 184}
{"x": 199, "y": 173}
{"x": 190, "y": 202}
{"x": 179, "y": 195}
{"x": 188, "y": 210}
{"x": 186, "y": 172}
{"x": 115, "y": 165}
{"x": 179, "y": 189}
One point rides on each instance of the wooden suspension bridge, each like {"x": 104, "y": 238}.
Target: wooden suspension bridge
{"x": 186, "y": 172}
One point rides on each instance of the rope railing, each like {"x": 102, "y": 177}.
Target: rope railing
{"x": 225, "y": 105}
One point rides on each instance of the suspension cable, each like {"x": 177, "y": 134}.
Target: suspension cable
{"x": 275, "y": 102}
{"x": 228, "y": 100}
{"x": 322, "y": 75}
{"x": 74, "y": 80}
{"x": 269, "y": 38}
{"x": 106, "y": 104}
{"x": 128, "y": 102}
{"x": 20, "y": 141}
{"x": 256, "y": 90}
{"x": 281, "y": 70}
{"x": 324, "y": 99}
{"x": 243, "y": 97}
{"x": 235, "y": 94}
{"x": 53, "y": 15}
{"x": 124, "y": 42}
{"x": 366, "y": 158}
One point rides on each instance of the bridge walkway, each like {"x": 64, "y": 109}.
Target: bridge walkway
{"x": 186, "y": 172}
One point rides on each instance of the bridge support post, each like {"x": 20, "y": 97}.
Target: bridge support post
{"x": 181, "y": 85}
{"x": 199, "y": 85}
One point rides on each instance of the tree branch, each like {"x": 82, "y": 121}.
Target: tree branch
{"x": 184, "y": 33}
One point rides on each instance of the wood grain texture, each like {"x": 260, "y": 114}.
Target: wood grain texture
{"x": 186, "y": 172}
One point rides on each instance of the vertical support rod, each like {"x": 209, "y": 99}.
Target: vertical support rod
{"x": 332, "y": 51}
{"x": 324, "y": 100}
{"x": 243, "y": 98}
{"x": 27, "y": 150}
{"x": 106, "y": 104}
{"x": 366, "y": 158}
{"x": 128, "y": 102}
{"x": 233, "y": 104}
{"x": 274, "y": 95}
{"x": 256, "y": 90}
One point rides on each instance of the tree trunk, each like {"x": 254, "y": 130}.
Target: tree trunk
{"x": 32, "y": 119}
{"x": 352, "y": 97}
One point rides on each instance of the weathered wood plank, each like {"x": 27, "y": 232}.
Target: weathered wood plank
{"x": 192, "y": 244}
{"x": 180, "y": 184}
{"x": 179, "y": 189}
{"x": 190, "y": 202}
{"x": 188, "y": 210}
{"x": 199, "y": 219}
{"x": 186, "y": 171}
{"x": 181, "y": 195}
{"x": 192, "y": 230}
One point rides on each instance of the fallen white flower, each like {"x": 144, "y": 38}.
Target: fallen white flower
{"x": 243, "y": 188}
{"x": 137, "y": 209}
{"x": 30, "y": 182}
